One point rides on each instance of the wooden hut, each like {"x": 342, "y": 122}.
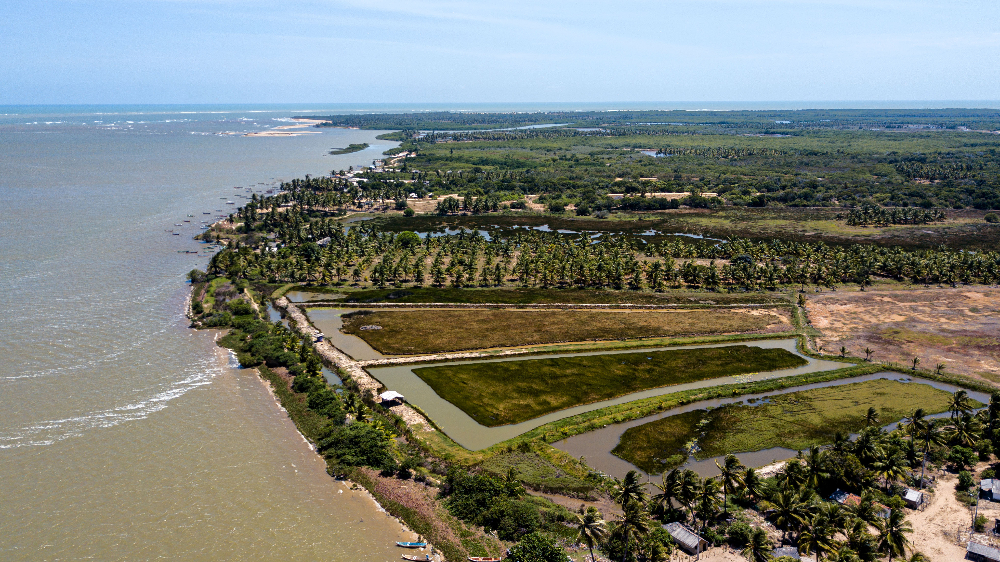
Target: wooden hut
{"x": 688, "y": 540}
{"x": 982, "y": 553}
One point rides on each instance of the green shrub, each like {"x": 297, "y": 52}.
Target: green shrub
{"x": 307, "y": 384}
{"x": 965, "y": 481}
{"x": 219, "y": 320}
{"x": 239, "y": 307}
{"x": 197, "y": 307}
{"x": 358, "y": 444}
{"x": 980, "y": 523}
{"x": 535, "y": 547}
{"x": 326, "y": 402}
{"x": 992, "y": 218}
{"x": 248, "y": 360}
{"x": 962, "y": 457}
{"x": 738, "y": 534}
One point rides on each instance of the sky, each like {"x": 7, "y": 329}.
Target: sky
{"x": 417, "y": 51}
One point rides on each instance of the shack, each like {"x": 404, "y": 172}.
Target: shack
{"x": 981, "y": 552}
{"x": 788, "y": 551}
{"x": 390, "y": 396}
{"x": 989, "y": 489}
{"x": 913, "y": 498}
{"x": 690, "y": 541}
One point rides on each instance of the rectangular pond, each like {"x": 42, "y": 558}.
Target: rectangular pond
{"x": 468, "y": 433}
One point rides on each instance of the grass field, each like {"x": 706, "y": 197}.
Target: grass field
{"x": 537, "y": 473}
{"x": 507, "y": 392}
{"x": 795, "y": 421}
{"x": 407, "y": 332}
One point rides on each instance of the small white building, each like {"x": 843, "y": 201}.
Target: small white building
{"x": 391, "y": 396}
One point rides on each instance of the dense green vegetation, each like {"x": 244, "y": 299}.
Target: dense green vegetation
{"x": 529, "y": 258}
{"x": 505, "y": 392}
{"x": 940, "y": 158}
{"x": 796, "y": 420}
{"x": 405, "y": 332}
{"x": 353, "y": 147}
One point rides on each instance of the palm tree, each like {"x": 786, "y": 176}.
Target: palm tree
{"x": 687, "y": 489}
{"x": 816, "y": 466}
{"x": 663, "y": 500}
{"x": 965, "y": 430}
{"x": 730, "y": 473}
{"x": 591, "y": 528}
{"x": 929, "y": 433}
{"x": 868, "y": 354}
{"x": 890, "y": 468}
{"x": 871, "y": 418}
{"x": 708, "y": 500}
{"x": 843, "y": 554}
{"x": 630, "y": 491}
{"x": 753, "y": 486}
{"x": 867, "y": 509}
{"x": 916, "y": 361}
{"x": 959, "y": 404}
{"x": 632, "y": 524}
{"x": 817, "y": 536}
{"x": 892, "y": 534}
{"x": 789, "y": 511}
{"x": 759, "y": 547}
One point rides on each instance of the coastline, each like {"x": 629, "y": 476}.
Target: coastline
{"x": 351, "y": 485}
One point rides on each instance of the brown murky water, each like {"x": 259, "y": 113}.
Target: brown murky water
{"x": 123, "y": 434}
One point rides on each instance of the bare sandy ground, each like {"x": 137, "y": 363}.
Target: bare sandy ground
{"x": 937, "y": 527}
{"x": 957, "y": 327}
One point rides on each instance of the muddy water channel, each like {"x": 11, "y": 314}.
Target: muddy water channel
{"x": 330, "y": 321}
{"x": 468, "y": 433}
{"x": 595, "y": 446}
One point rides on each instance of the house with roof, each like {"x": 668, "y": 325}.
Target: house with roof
{"x": 787, "y": 551}
{"x": 691, "y": 542}
{"x": 982, "y": 553}
{"x": 853, "y": 500}
{"x": 913, "y": 498}
{"x": 989, "y": 489}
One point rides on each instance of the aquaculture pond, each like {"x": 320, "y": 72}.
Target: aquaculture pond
{"x": 750, "y": 437}
{"x": 465, "y": 431}
{"x": 329, "y": 321}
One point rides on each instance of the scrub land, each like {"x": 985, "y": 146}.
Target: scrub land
{"x": 506, "y": 392}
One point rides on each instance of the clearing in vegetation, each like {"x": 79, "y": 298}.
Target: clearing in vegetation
{"x": 406, "y": 332}
{"x": 507, "y": 392}
{"x": 795, "y": 420}
{"x": 955, "y": 327}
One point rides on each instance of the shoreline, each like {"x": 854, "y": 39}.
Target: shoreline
{"x": 349, "y": 484}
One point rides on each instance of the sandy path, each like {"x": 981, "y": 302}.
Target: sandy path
{"x": 935, "y": 527}
{"x": 351, "y": 367}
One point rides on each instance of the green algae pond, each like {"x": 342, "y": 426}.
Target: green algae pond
{"x": 463, "y": 428}
{"x": 757, "y": 428}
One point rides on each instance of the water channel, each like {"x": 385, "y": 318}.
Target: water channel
{"x": 467, "y": 432}
{"x": 595, "y": 446}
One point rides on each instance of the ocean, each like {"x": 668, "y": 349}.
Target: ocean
{"x": 125, "y": 435}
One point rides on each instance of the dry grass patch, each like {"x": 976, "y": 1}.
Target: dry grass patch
{"x": 959, "y": 328}
{"x": 404, "y": 332}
